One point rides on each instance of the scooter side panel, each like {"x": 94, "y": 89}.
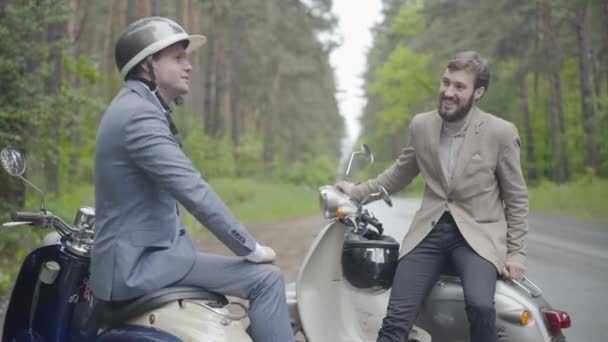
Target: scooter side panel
{"x": 188, "y": 320}
{"x": 133, "y": 333}
{"x": 53, "y": 313}
{"x": 443, "y": 313}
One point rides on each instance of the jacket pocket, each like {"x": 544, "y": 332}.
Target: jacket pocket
{"x": 484, "y": 209}
{"x": 147, "y": 238}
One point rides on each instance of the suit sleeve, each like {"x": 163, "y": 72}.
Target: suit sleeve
{"x": 152, "y": 147}
{"x": 514, "y": 195}
{"x": 396, "y": 177}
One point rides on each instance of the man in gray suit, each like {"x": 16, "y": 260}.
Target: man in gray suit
{"x": 141, "y": 174}
{"x": 474, "y": 212}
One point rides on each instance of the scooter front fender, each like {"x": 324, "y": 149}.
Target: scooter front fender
{"x": 329, "y": 308}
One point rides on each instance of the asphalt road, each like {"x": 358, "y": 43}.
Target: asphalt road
{"x": 568, "y": 260}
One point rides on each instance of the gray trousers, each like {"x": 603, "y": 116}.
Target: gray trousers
{"x": 262, "y": 284}
{"x": 418, "y": 271}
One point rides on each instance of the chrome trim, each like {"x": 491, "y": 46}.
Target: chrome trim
{"x": 219, "y": 312}
{"x": 528, "y": 286}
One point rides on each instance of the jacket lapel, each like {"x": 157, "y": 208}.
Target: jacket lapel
{"x": 470, "y": 144}
{"x": 435, "y": 134}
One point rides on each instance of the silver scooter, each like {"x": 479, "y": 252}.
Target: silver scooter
{"x": 325, "y": 307}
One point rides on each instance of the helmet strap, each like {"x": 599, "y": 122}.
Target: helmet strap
{"x": 179, "y": 100}
{"x": 151, "y": 70}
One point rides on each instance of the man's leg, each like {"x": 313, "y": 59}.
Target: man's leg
{"x": 479, "y": 283}
{"x": 262, "y": 284}
{"x": 416, "y": 273}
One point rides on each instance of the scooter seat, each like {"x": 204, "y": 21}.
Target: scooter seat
{"x": 116, "y": 312}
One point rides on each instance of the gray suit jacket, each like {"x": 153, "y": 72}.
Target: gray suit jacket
{"x": 141, "y": 173}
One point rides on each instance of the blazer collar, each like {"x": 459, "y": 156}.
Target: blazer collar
{"x": 467, "y": 149}
{"x": 147, "y": 91}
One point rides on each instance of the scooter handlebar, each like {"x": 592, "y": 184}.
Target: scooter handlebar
{"x": 366, "y": 218}
{"x": 37, "y": 218}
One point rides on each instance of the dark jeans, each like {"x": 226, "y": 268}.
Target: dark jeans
{"x": 418, "y": 271}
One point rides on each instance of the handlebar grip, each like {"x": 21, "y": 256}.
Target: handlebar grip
{"x": 36, "y": 218}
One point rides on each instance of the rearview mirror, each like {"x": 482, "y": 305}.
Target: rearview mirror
{"x": 365, "y": 151}
{"x": 13, "y": 161}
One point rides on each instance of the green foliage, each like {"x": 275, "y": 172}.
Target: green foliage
{"x": 410, "y": 21}
{"x": 585, "y": 198}
{"x": 55, "y": 87}
{"x": 258, "y": 200}
{"x": 212, "y": 157}
{"x": 413, "y": 43}
{"x": 405, "y": 86}
{"x": 312, "y": 172}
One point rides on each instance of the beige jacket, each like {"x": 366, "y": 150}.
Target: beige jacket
{"x": 487, "y": 197}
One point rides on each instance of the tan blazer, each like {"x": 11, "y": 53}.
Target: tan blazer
{"x": 487, "y": 196}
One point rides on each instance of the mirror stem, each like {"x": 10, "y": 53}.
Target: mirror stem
{"x": 35, "y": 187}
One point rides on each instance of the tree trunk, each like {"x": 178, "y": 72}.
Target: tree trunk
{"x": 131, "y": 11}
{"x": 3, "y": 4}
{"x": 605, "y": 41}
{"x": 184, "y": 9}
{"x": 597, "y": 77}
{"x": 220, "y": 86}
{"x": 584, "y": 63}
{"x": 210, "y": 76}
{"x": 108, "y": 39}
{"x": 235, "y": 65}
{"x": 156, "y": 7}
{"x": 269, "y": 148}
{"x": 143, "y": 8}
{"x": 553, "y": 59}
{"x": 78, "y": 15}
{"x": 530, "y": 153}
{"x": 197, "y": 97}
{"x": 53, "y": 89}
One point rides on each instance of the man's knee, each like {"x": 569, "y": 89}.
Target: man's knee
{"x": 272, "y": 276}
{"x": 479, "y": 309}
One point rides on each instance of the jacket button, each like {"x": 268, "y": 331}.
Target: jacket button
{"x": 433, "y": 224}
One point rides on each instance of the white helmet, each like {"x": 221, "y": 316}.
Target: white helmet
{"x": 148, "y": 36}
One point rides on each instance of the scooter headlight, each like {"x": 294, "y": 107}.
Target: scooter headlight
{"x": 334, "y": 203}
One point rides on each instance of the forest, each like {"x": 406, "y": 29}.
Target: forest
{"x": 262, "y": 107}
{"x": 549, "y": 67}
{"x": 262, "y": 121}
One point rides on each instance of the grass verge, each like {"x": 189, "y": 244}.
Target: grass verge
{"x": 586, "y": 198}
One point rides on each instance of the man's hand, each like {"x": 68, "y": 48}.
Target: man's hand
{"x": 514, "y": 270}
{"x": 345, "y": 187}
{"x": 262, "y": 254}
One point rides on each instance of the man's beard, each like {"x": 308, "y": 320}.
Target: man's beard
{"x": 460, "y": 113}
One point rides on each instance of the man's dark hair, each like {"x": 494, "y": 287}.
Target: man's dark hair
{"x": 472, "y": 61}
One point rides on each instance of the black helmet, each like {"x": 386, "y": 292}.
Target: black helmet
{"x": 148, "y": 36}
{"x": 369, "y": 260}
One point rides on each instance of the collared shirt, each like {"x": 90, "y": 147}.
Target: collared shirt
{"x": 450, "y": 144}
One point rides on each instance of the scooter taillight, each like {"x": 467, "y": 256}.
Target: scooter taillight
{"x": 557, "y": 320}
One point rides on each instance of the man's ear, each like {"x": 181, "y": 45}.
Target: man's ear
{"x": 479, "y": 93}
